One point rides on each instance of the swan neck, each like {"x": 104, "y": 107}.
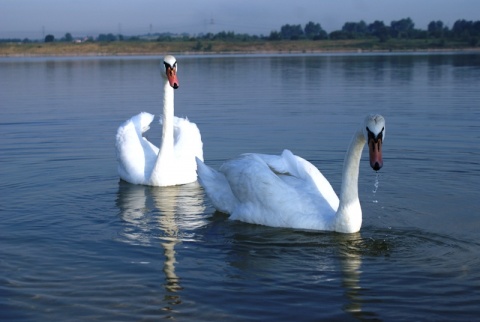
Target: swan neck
{"x": 349, "y": 213}
{"x": 167, "y": 119}
{"x": 165, "y": 157}
{"x": 351, "y": 167}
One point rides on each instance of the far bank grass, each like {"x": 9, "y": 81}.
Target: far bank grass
{"x": 217, "y": 46}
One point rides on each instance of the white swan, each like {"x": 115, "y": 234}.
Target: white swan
{"x": 288, "y": 191}
{"x": 173, "y": 163}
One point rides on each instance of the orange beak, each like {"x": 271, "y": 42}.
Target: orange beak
{"x": 375, "y": 152}
{"x": 172, "y": 77}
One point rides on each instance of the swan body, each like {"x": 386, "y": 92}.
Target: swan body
{"x": 288, "y": 191}
{"x": 173, "y": 162}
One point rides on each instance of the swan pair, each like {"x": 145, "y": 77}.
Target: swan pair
{"x": 273, "y": 190}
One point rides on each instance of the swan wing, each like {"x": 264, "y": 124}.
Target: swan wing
{"x": 188, "y": 141}
{"x": 267, "y": 190}
{"x": 289, "y": 164}
{"x": 308, "y": 172}
{"x": 135, "y": 154}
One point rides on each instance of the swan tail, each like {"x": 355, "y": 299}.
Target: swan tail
{"x": 216, "y": 187}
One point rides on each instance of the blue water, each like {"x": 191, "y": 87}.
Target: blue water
{"x": 78, "y": 244}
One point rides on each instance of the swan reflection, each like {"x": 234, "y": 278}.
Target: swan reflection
{"x": 170, "y": 214}
{"x": 350, "y": 264}
{"x": 334, "y": 261}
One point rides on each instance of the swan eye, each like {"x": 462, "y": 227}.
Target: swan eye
{"x": 167, "y": 65}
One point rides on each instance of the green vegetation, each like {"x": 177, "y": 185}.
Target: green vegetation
{"x": 220, "y": 46}
{"x": 354, "y": 36}
{"x": 467, "y": 32}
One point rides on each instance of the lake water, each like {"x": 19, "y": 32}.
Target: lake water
{"x": 78, "y": 244}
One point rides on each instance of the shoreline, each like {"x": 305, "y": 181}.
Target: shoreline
{"x": 246, "y": 53}
{"x": 124, "y": 49}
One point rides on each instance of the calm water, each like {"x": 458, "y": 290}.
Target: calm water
{"x": 78, "y": 244}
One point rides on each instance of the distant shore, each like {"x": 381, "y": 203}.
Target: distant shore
{"x": 134, "y": 48}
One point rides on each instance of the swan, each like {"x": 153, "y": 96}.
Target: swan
{"x": 173, "y": 162}
{"x": 288, "y": 191}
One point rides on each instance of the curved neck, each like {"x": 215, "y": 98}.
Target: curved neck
{"x": 349, "y": 214}
{"x": 166, "y": 152}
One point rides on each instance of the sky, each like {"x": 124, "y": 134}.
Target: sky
{"x": 34, "y": 19}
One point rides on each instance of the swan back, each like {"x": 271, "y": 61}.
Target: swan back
{"x": 271, "y": 190}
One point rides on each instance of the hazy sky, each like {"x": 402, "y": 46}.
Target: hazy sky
{"x": 35, "y": 18}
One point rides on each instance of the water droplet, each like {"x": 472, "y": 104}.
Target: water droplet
{"x": 375, "y": 187}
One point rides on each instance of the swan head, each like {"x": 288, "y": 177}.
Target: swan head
{"x": 374, "y": 132}
{"x": 170, "y": 74}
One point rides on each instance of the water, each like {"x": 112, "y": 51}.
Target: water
{"x": 77, "y": 244}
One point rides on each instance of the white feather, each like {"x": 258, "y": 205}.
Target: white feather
{"x": 288, "y": 191}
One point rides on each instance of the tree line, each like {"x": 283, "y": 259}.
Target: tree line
{"x": 462, "y": 30}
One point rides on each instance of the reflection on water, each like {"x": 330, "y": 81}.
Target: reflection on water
{"x": 350, "y": 264}
{"x": 151, "y": 214}
{"x": 333, "y": 265}
{"x": 76, "y": 242}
